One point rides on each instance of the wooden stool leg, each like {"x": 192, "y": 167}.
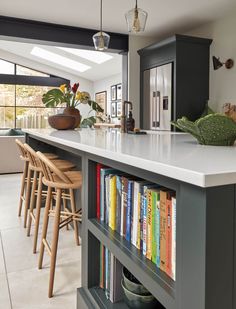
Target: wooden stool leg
{"x": 45, "y": 226}
{"x": 64, "y": 208}
{"x": 38, "y": 211}
{"x": 27, "y": 196}
{"x": 73, "y": 208}
{"x": 22, "y": 187}
{"x": 54, "y": 242}
{"x": 32, "y": 201}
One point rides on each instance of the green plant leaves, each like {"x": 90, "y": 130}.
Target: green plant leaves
{"x": 53, "y": 98}
{"x": 95, "y": 106}
{"x": 88, "y": 122}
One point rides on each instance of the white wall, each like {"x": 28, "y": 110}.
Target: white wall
{"x": 136, "y": 43}
{"x": 105, "y": 85}
{"x": 222, "y": 81}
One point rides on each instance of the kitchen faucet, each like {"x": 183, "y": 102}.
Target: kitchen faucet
{"x": 124, "y": 114}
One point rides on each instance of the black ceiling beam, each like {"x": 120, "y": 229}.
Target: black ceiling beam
{"x": 48, "y": 33}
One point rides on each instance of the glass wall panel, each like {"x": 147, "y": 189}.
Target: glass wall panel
{"x": 7, "y": 117}
{"x": 20, "y": 70}
{"x": 6, "y": 67}
{"x": 7, "y": 95}
{"x": 27, "y": 95}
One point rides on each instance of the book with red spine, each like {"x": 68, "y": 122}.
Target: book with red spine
{"x": 98, "y": 174}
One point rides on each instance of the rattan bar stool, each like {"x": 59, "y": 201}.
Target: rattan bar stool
{"x": 37, "y": 189}
{"x": 27, "y": 180}
{"x": 61, "y": 182}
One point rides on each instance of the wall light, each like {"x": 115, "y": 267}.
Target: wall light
{"x": 218, "y": 64}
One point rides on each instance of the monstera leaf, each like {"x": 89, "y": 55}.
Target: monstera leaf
{"x": 214, "y": 129}
{"x": 95, "y": 106}
{"x": 53, "y": 98}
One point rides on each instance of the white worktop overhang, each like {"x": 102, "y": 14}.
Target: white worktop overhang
{"x": 175, "y": 155}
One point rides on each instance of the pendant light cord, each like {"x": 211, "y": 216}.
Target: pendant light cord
{"x": 101, "y": 18}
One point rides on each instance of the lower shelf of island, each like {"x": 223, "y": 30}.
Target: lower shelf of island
{"x": 96, "y": 296}
{"x": 156, "y": 281}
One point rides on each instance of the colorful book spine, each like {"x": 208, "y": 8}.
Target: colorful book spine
{"x": 112, "y": 209}
{"x": 149, "y": 225}
{"x": 169, "y": 232}
{"x": 107, "y": 198}
{"x": 141, "y": 219}
{"x": 173, "y": 248}
{"x": 155, "y": 226}
{"x": 129, "y": 211}
{"x": 138, "y": 235}
{"x": 124, "y": 203}
{"x": 144, "y": 225}
{"x": 118, "y": 203}
{"x": 101, "y": 274}
{"x": 163, "y": 230}
{"x": 98, "y": 193}
{"x": 106, "y": 273}
{"x": 134, "y": 227}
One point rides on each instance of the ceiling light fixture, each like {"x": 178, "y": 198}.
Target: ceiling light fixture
{"x": 101, "y": 39}
{"x": 58, "y": 59}
{"x": 136, "y": 19}
{"x": 218, "y": 64}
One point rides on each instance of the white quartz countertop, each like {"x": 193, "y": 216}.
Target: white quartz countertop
{"x": 170, "y": 154}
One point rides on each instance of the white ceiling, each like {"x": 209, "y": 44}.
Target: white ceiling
{"x": 164, "y": 16}
{"x": 96, "y": 72}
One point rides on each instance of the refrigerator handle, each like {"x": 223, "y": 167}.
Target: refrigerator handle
{"x": 158, "y": 108}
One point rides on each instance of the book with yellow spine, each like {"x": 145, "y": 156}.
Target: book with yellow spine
{"x": 112, "y": 208}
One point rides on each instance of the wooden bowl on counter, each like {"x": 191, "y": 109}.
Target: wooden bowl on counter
{"x": 62, "y": 122}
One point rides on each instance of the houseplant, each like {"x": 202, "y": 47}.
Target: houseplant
{"x": 71, "y": 98}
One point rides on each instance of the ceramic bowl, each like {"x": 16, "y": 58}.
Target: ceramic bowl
{"x": 139, "y": 301}
{"x": 132, "y": 284}
{"x": 62, "y": 122}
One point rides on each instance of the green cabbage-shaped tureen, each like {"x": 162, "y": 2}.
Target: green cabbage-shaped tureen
{"x": 214, "y": 129}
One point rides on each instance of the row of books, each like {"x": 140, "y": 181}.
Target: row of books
{"x": 110, "y": 275}
{"x": 142, "y": 212}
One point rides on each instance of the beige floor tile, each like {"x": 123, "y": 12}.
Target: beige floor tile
{"x": 9, "y": 218}
{"x": 4, "y": 293}
{"x": 2, "y": 264}
{"x": 18, "y": 249}
{"x": 29, "y": 288}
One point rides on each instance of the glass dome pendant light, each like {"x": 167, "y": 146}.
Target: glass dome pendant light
{"x": 101, "y": 39}
{"x": 136, "y": 19}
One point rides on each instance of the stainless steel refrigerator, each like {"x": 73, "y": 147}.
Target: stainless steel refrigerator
{"x": 158, "y": 97}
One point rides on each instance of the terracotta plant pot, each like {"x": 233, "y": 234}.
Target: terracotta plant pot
{"x": 62, "y": 122}
{"x": 72, "y": 111}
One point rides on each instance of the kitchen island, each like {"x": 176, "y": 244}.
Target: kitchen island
{"x": 204, "y": 179}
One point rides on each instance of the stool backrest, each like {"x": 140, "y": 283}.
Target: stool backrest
{"x": 49, "y": 169}
{"x": 23, "y": 152}
{"x": 31, "y": 155}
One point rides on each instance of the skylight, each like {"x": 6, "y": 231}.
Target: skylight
{"x": 94, "y": 56}
{"x": 58, "y": 59}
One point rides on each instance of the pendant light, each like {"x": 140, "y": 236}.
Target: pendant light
{"x": 101, "y": 39}
{"x": 136, "y": 19}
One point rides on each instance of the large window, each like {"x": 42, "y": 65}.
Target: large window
{"x": 21, "y": 97}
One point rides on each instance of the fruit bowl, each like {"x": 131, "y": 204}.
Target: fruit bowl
{"x": 214, "y": 129}
{"x": 62, "y": 122}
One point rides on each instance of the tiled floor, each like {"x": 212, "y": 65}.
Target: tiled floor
{"x": 22, "y": 285}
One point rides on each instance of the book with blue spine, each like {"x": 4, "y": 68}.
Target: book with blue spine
{"x": 118, "y": 202}
{"x": 129, "y": 210}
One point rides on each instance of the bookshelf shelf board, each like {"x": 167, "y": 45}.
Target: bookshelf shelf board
{"x": 155, "y": 280}
{"x": 96, "y": 296}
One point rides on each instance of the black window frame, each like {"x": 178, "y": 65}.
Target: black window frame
{"x": 29, "y": 80}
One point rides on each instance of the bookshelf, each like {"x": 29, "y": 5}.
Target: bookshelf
{"x": 197, "y": 216}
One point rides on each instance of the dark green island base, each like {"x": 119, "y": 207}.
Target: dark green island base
{"x": 205, "y": 240}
